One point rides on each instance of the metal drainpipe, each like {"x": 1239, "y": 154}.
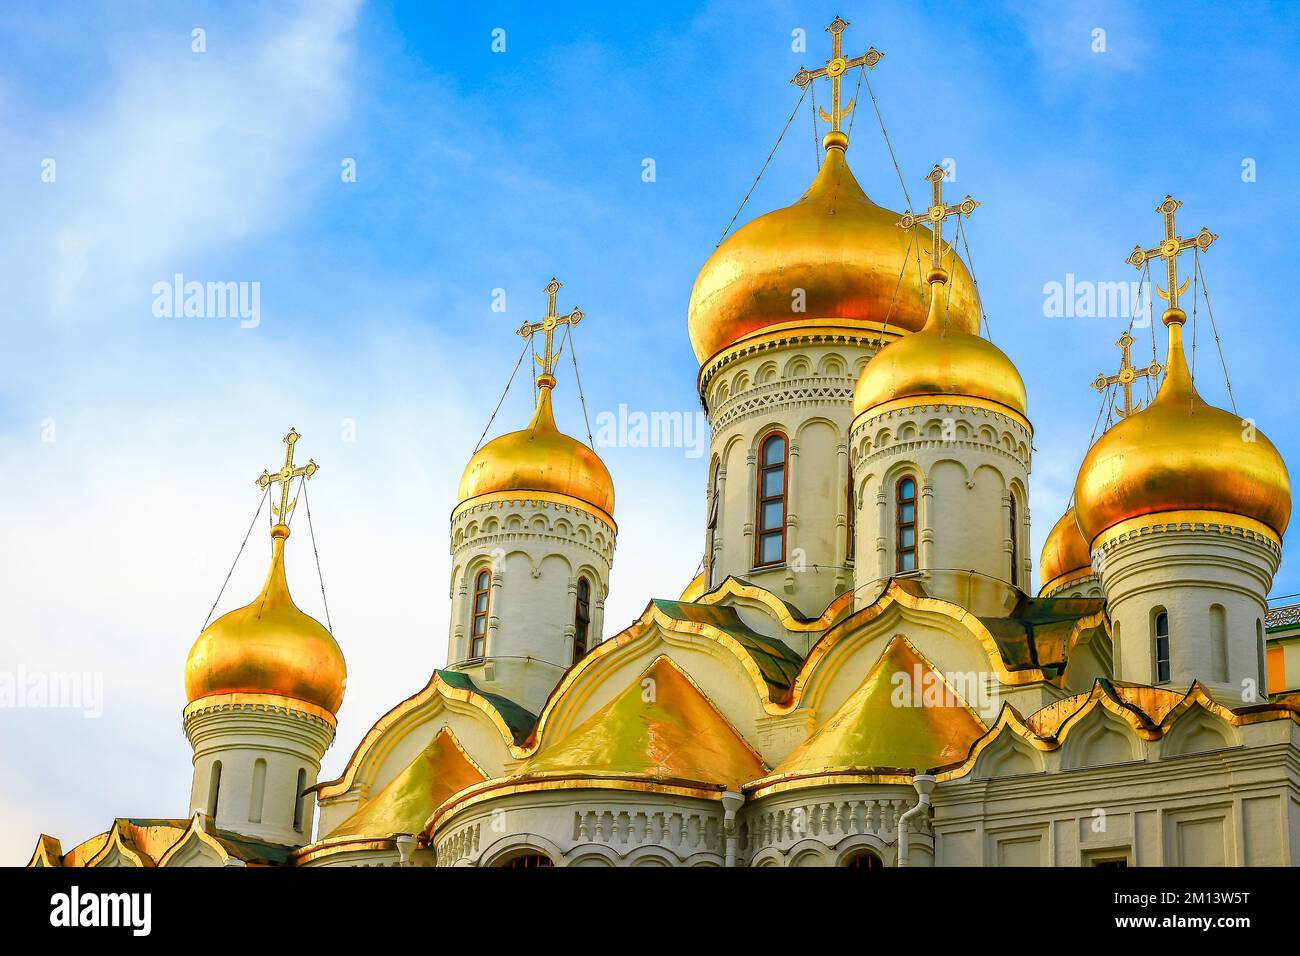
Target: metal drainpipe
{"x": 731, "y": 802}
{"x": 924, "y": 784}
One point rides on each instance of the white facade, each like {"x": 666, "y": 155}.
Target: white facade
{"x": 536, "y": 554}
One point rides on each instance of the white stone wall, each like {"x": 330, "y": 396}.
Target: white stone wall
{"x": 1213, "y": 581}
{"x": 827, "y": 826}
{"x": 967, "y": 461}
{"x": 1207, "y": 794}
{"x": 803, "y": 387}
{"x": 537, "y": 551}
{"x": 581, "y": 827}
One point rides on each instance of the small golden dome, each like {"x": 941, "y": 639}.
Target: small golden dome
{"x": 842, "y": 250}
{"x": 943, "y": 359}
{"x": 1065, "y": 554}
{"x": 540, "y": 458}
{"x": 268, "y": 647}
{"x": 1181, "y": 454}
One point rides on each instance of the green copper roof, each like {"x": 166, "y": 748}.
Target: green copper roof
{"x": 778, "y": 664}
{"x": 520, "y": 721}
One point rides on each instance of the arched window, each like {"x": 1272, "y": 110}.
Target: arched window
{"x": 865, "y": 859}
{"x": 479, "y": 618}
{"x": 1162, "y": 647}
{"x": 258, "y": 795}
{"x": 772, "y": 480}
{"x": 530, "y": 861}
{"x": 300, "y": 795}
{"x": 1015, "y": 542}
{"x": 214, "y": 788}
{"x": 581, "y": 620}
{"x": 905, "y": 523}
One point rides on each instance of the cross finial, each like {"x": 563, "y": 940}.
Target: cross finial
{"x": 1169, "y": 250}
{"x": 936, "y": 215}
{"x": 1127, "y": 376}
{"x": 835, "y": 69}
{"x": 285, "y": 475}
{"x": 549, "y": 324}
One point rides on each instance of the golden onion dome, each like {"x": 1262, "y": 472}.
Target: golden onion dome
{"x": 1065, "y": 553}
{"x": 943, "y": 359}
{"x": 268, "y": 647}
{"x": 1181, "y": 454}
{"x": 842, "y": 250}
{"x": 541, "y": 459}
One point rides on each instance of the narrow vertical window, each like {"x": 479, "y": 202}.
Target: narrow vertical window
{"x": 1015, "y": 543}
{"x": 258, "y": 795}
{"x": 849, "y": 550}
{"x": 214, "y": 789}
{"x": 299, "y": 798}
{"x": 1162, "y": 647}
{"x": 479, "y": 618}
{"x": 772, "y": 479}
{"x": 581, "y": 620}
{"x": 905, "y": 523}
{"x": 715, "y": 503}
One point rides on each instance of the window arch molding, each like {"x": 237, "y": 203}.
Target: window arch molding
{"x": 906, "y": 504}
{"x": 772, "y": 498}
{"x": 480, "y": 610}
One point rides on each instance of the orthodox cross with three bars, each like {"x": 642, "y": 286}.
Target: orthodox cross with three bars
{"x": 937, "y": 213}
{"x": 1169, "y": 250}
{"x": 835, "y": 68}
{"x": 285, "y": 475}
{"x": 1127, "y": 376}
{"x": 550, "y": 323}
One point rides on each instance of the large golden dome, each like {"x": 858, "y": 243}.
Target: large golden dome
{"x": 941, "y": 360}
{"x": 1181, "y": 454}
{"x": 1065, "y": 553}
{"x": 268, "y": 647}
{"x": 840, "y": 248}
{"x": 540, "y": 458}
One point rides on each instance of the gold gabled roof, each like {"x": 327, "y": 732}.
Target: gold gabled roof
{"x": 871, "y": 732}
{"x": 661, "y": 728}
{"x": 441, "y": 770}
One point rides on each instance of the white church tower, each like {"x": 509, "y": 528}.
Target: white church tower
{"x": 783, "y": 318}
{"x": 1184, "y": 506}
{"x": 940, "y": 446}
{"x": 264, "y": 683}
{"x": 532, "y": 543}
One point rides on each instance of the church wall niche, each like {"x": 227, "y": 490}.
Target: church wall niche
{"x": 1198, "y": 731}
{"x": 1099, "y": 739}
{"x": 1007, "y": 756}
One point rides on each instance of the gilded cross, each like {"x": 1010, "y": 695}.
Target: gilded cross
{"x": 937, "y": 213}
{"x": 550, "y": 323}
{"x": 285, "y": 475}
{"x": 1126, "y": 376}
{"x": 835, "y": 68}
{"x": 1169, "y": 250}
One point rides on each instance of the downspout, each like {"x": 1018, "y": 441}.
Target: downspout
{"x": 731, "y": 802}
{"x": 925, "y": 784}
{"x": 405, "y": 843}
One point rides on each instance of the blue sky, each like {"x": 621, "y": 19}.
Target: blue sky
{"x": 479, "y": 171}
